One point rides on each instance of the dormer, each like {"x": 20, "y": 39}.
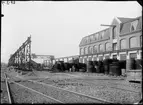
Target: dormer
{"x": 131, "y": 26}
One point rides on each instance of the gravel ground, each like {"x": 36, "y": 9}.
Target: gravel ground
{"x": 97, "y": 76}
{"x": 23, "y": 95}
{"x": 4, "y": 94}
{"x": 120, "y": 80}
{"x": 99, "y": 90}
{"x": 118, "y": 84}
{"x": 61, "y": 95}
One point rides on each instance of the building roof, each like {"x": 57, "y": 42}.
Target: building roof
{"x": 85, "y": 41}
{"x": 126, "y": 26}
{"x": 122, "y": 19}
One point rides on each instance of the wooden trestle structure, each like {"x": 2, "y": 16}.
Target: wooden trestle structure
{"x": 21, "y": 59}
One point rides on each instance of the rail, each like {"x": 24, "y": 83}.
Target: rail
{"x": 8, "y": 90}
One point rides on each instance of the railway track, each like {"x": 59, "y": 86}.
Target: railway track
{"x": 12, "y": 98}
{"x": 7, "y": 89}
{"x": 55, "y": 92}
{"x": 63, "y": 95}
{"x": 43, "y": 98}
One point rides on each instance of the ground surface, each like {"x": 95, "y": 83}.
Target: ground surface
{"x": 92, "y": 84}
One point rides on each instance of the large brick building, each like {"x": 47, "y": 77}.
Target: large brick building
{"x": 122, "y": 41}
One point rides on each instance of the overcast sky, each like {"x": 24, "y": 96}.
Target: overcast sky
{"x": 56, "y": 28}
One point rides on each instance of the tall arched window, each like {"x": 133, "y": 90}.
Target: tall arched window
{"x": 133, "y": 42}
{"x": 85, "y": 50}
{"x": 102, "y": 34}
{"x": 95, "y": 49}
{"x": 91, "y": 38}
{"x": 108, "y": 46}
{"x": 140, "y": 40}
{"x": 101, "y": 48}
{"x": 96, "y": 36}
{"x": 81, "y": 51}
{"x": 114, "y": 32}
{"x": 123, "y": 44}
{"x": 89, "y": 50}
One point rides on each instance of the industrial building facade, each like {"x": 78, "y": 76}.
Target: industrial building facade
{"x": 123, "y": 40}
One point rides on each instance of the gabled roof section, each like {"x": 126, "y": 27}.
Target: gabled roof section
{"x": 82, "y": 41}
{"x": 139, "y": 26}
{"x": 122, "y": 19}
{"x": 126, "y": 26}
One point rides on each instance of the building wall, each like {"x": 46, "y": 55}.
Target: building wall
{"x": 127, "y": 38}
{"x": 119, "y": 37}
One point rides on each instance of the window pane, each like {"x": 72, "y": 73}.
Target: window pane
{"x": 123, "y": 44}
{"x": 94, "y": 58}
{"x": 82, "y": 51}
{"x": 114, "y": 33}
{"x": 85, "y": 50}
{"x": 133, "y": 55}
{"x": 101, "y": 48}
{"x": 87, "y": 40}
{"x": 123, "y": 56}
{"x": 91, "y": 38}
{"x": 89, "y": 58}
{"x": 107, "y": 57}
{"x": 133, "y": 42}
{"x": 108, "y": 47}
{"x": 100, "y": 58}
{"x": 89, "y": 50}
{"x": 95, "y": 49}
{"x": 114, "y": 46}
{"x": 96, "y": 36}
{"x": 141, "y": 40}
{"x": 134, "y": 25}
{"x": 102, "y": 34}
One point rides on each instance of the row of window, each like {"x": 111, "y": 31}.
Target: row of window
{"x": 95, "y": 49}
{"x": 94, "y": 37}
{"x": 121, "y": 57}
{"x": 133, "y": 42}
{"x": 108, "y": 46}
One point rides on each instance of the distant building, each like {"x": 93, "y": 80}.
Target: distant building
{"x": 42, "y": 59}
{"x": 124, "y": 41}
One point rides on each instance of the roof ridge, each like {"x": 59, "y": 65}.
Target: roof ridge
{"x": 125, "y": 17}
